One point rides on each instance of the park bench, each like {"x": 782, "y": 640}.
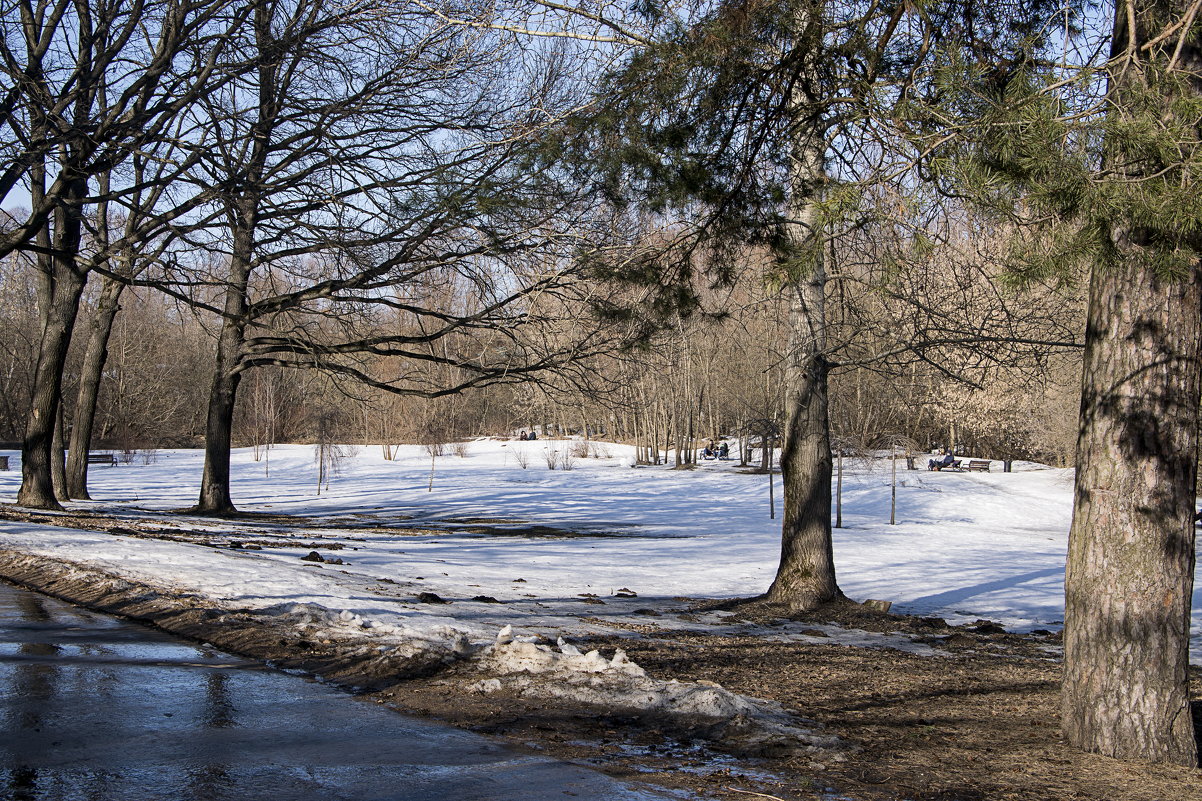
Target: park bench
{"x": 978, "y": 464}
{"x": 102, "y": 458}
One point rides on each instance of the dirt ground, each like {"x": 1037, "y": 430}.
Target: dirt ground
{"x": 981, "y": 724}
{"x": 978, "y": 724}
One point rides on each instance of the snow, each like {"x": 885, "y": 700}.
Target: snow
{"x": 966, "y": 545}
{"x": 749, "y": 725}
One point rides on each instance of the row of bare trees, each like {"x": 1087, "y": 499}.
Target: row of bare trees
{"x": 711, "y": 375}
{"x": 345, "y": 188}
{"x": 363, "y": 192}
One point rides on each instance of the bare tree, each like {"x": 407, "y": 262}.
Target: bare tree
{"x": 380, "y": 214}
{"x": 85, "y": 85}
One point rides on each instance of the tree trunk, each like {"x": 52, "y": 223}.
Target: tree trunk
{"x": 223, "y": 393}
{"x": 656, "y": 431}
{"x": 805, "y": 578}
{"x": 65, "y": 286}
{"x": 243, "y": 210}
{"x": 37, "y": 484}
{"x": 675, "y": 428}
{"x": 89, "y": 389}
{"x": 1129, "y": 577}
{"x": 215, "y": 484}
{"x": 690, "y": 438}
{"x": 58, "y": 449}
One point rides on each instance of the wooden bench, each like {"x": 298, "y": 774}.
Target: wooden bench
{"x": 978, "y": 464}
{"x": 102, "y": 458}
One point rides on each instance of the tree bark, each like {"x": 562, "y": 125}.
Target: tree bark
{"x": 90, "y": 374}
{"x": 58, "y": 449}
{"x": 37, "y": 484}
{"x": 223, "y": 392}
{"x": 215, "y": 484}
{"x": 805, "y": 578}
{"x": 1129, "y": 576}
{"x": 66, "y": 283}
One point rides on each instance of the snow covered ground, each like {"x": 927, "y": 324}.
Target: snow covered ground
{"x": 966, "y": 546}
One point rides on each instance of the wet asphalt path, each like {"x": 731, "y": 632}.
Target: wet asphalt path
{"x": 96, "y": 708}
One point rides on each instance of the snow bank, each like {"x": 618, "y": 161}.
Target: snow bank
{"x": 445, "y": 643}
{"x": 736, "y": 723}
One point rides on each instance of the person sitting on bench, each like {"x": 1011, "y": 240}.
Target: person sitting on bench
{"x": 708, "y": 452}
{"x": 723, "y": 451}
{"x": 938, "y": 464}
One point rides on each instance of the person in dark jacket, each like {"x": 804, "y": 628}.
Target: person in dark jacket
{"x": 946, "y": 461}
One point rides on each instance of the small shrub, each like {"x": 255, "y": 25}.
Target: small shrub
{"x": 459, "y": 449}
{"x": 567, "y": 460}
{"x": 579, "y": 449}
{"x": 551, "y": 456}
{"x": 149, "y": 456}
{"x": 600, "y": 451}
{"x": 436, "y": 448}
{"x": 522, "y": 457}
{"x": 328, "y": 459}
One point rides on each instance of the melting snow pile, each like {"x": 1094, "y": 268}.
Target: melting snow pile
{"x": 740, "y": 724}
{"x": 398, "y": 649}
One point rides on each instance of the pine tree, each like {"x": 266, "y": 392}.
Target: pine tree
{"x": 1098, "y": 163}
{"x": 1130, "y": 569}
{"x": 761, "y": 125}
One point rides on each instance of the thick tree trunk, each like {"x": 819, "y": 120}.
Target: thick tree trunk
{"x": 805, "y": 578}
{"x": 215, "y": 484}
{"x": 61, "y": 301}
{"x": 1130, "y": 569}
{"x": 37, "y": 484}
{"x": 1129, "y": 577}
{"x": 89, "y": 388}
